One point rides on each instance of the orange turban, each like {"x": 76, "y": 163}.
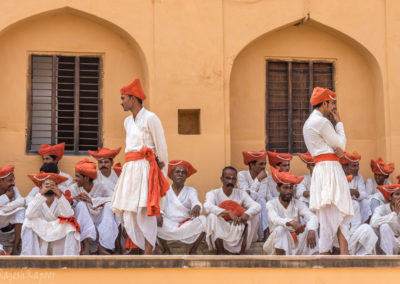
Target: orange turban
{"x": 86, "y": 168}
{"x": 349, "y": 158}
{"x": 6, "y": 171}
{"x": 231, "y": 206}
{"x": 134, "y": 89}
{"x": 276, "y": 158}
{"x": 306, "y": 158}
{"x": 381, "y": 168}
{"x": 388, "y": 189}
{"x": 320, "y": 95}
{"x": 285, "y": 177}
{"x": 250, "y": 156}
{"x": 57, "y": 150}
{"x": 105, "y": 153}
{"x": 173, "y": 164}
{"x": 38, "y": 179}
{"x": 117, "y": 169}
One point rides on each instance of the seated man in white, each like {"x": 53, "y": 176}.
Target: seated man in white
{"x": 12, "y": 211}
{"x": 381, "y": 172}
{"x": 180, "y": 219}
{"x": 386, "y": 219}
{"x": 96, "y": 197}
{"x": 105, "y": 160}
{"x": 233, "y": 216}
{"x": 251, "y": 180}
{"x": 81, "y": 213}
{"x": 288, "y": 235}
{"x": 351, "y": 166}
{"x": 303, "y": 188}
{"x": 50, "y": 227}
{"x": 275, "y": 160}
{"x": 362, "y": 237}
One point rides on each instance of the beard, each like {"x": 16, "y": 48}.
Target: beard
{"x": 286, "y": 197}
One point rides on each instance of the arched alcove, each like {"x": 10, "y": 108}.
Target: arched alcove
{"x": 358, "y": 84}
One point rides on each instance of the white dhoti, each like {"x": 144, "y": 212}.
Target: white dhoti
{"x": 82, "y": 215}
{"x": 363, "y": 241}
{"x": 263, "y": 224}
{"x": 389, "y": 241}
{"x": 7, "y": 237}
{"x": 231, "y": 235}
{"x": 107, "y": 227}
{"x": 281, "y": 238}
{"x": 140, "y": 227}
{"x": 187, "y": 233}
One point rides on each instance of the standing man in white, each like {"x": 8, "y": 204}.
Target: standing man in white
{"x": 329, "y": 192}
{"x": 141, "y": 183}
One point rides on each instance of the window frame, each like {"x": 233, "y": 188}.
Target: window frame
{"x": 29, "y": 101}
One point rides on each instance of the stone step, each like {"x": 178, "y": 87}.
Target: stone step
{"x": 182, "y": 249}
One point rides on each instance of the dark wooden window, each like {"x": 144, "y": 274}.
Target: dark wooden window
{"x": 64, "y": 102}
{"x": 288, "y": 91}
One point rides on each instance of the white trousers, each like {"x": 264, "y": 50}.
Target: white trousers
{"x": 263, "y": 224}
{"x": 389, "y": 243}
{"x": 363, "y": 241}
{"x": 7, "y": 238}
{"x": 107, "y": 227}
{"x": 82, "y": 215}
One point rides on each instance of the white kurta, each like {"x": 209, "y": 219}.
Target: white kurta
{"x": 218, "y": 228}
{"x": 43, "y": 234}
{"x": 100, "y": 211}
{"x": 329, "y": 191}
{"x": 387, "y": 222}
{"x": 130, "y": 194}
{"x": 358, "y": 184}
{"x": 11, "y": 212}
{"x": 176, "y": 210}
{"x": 272, "y": 193}
{"x": 280, "y": 236}
{"x": 375, "y": 196}
{"x": 109, "y": 182}
{"x": 305, "y": 185}
{"x": 246, "y": 182}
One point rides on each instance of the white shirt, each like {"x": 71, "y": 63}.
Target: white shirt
{"x": 358, "y": 184}
{"x": 10, "y": 206}
{"x": 303, "y": 186}
{"x": 109, "y": 182}
{"x": 320, "y": 136}
{"x": 99, "y": 194}
{"x": 384, "y": 215}
{"x": 372, "y": 191}
{"x": 246, "y": 182}
{"x": 176, "y": 206}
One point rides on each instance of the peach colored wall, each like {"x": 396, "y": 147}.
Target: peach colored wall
{"x": 187, "y": 52}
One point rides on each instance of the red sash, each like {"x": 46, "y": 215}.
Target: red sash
{"x": 184, "y": 221}
{"x": 158, "y": 184}
{"x": 129, "y": 244}
{"x": 70, "y": 220}
{"x": 325, "y": 157}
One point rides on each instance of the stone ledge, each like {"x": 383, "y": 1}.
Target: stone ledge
{"x": 199, "y": 261}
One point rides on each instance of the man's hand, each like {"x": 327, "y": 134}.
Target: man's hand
{"x": 262, "y": 175}
{"x": 335, "y": 115}
{"x": 311, "y": 239}
{"x": 160, "y": 164}
{"x": 56, "y": 191}
{"x": 234, "y": 218}
{"x": 195, "y": 212}
{"x": 244, "y": 218}
{"x": 396, "y": 207}
{"x": 338, "y": 152}
{"x": 355, "y": 193}
{"x": 297, "y": 226}
{"x": 306, "y": 193}
{"x": 159, "y": 221}
{"x": 83, "y": 197}
{"x": 10, "y": 193}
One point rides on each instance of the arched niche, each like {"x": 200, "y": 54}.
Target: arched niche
{"x": 358, "y": 83}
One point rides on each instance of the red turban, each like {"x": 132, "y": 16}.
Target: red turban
{"x": 285, "y": 177}
{"x": 250, "y": 156}
{"x": 381, "y": 168}
{"x": 175, "y": 163}
{"x": 134, "y": 89}
{"x": 306, "y": 158}
{"x": 38, "y": 179}
{"x": 321, "y": 95}
{"x": 86, "y": 168}
{"x": 276, "y": 158}
{"x": 6, "y": 171}
{"x": 349, "y": 158}
{"x": 117, "y": 169}
{"x": 232, "y": 206}
{"x": 105, "y": 153}
{"x": 57, "y": 150}
{"x": 387, "y": 190}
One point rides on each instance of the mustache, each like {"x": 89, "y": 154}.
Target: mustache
{"x": 287, "y": 197}
{"x": 230, "y": 185}
{"x": 11, "y": 186}
{"x": 104, "y": 168}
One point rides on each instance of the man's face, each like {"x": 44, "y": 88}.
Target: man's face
{"x": 48, "y": 160}
{"x": 49, "y": 183}
{"x": 105, "y": 165}
{"x": 179, "y": 175}
{"x": 229, "y": 179}
{"x": 284, "y": 166}
{"x": 310, "y": 167}
{"x": 380, "y": 179}
{"x": 127, "y": 102}
{"x": 285, "y": 192}
{"x": 354, "y": 168}
{"x": 327, "y": 108}
{"x": 347, "y": 170}
{"x": 259, "y": 165}
{"x": 79, "y": 179}
{"x": 7, "y": 182}
{"x": 395, "y": 197}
